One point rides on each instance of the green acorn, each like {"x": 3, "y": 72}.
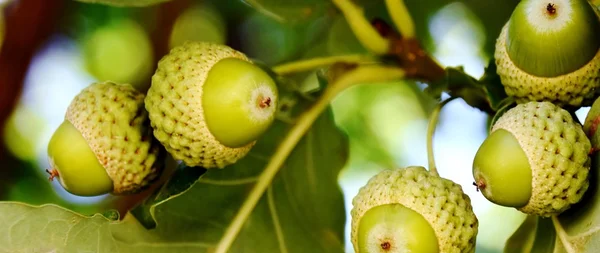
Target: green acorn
{"x": 549, "y": 50}
{"x": 120, "y": 52}
{"x": 199, "y": 22}
{"x": 208, "y": 104}
{"x": 591, "y": 124}
{"x": 105, "y": 143}
{"x": 411, "y": 210}
{"x": 535, "y": 159}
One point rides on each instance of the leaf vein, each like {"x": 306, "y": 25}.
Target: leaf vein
{"x": 228, "y": 182}
{"x": 310, "y": 163}
{"x": 562, "y": 235}
{"x": 258, "y": 156}
{"x": 278, "y": 231}
{"x": 98, "y": 242}
{"x": 172, "y": 244}
{"x": 586, "y": 234}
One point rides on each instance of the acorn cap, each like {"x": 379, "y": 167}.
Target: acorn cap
{"x": 440, "y": 201}
{"x": 550, "y": 51}
{"x": 112, "y": 119}
{"x": 557, "y": 150}
{"x": 174, "y": 102}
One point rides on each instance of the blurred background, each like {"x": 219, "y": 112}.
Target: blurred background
{"x": 51, "y": 49}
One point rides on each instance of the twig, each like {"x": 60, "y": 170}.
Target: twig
{"x": 310, "y": 64}
{"x": 166, "y": 16}
{"x": 401, "y": 18}
{"x": 431, "y": 131}
{"x": 410, "y": 55}
{"x": 361, "y": 27}
{"x": 418, "y": 64}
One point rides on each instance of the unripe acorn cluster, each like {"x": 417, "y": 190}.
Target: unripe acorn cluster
{"x": 536, "y": 157}
{"x": 207, "y": 106}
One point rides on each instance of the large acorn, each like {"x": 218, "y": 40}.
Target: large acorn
{"x": 208, "y": 104}
{"x": 105, "y": 143}
{"x": 535, "y": 159}
{"x": 411, "y": 210}
{"x": 549, "y": 50}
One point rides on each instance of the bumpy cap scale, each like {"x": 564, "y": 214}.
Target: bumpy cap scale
{"x": 550, "y": 51}
{"x": 441, "y": 202}
{"x": 208, "y": 104}
{"x": 112, "y": 120}
{"x": 556, "y": 149}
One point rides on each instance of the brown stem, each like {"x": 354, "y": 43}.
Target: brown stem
{"x": 28, "y": 24}
{"x": 52, "y": 174}
{"x": 265, "y": 102}
{"x": 480, "y": 184}
{"x": 418, "y": 64}
{"x": 550, "y": 9}
{"x": 410, "y": 55}
{"x": 594, "y": 127}
{"x": 167, "y": 14}
{"x": 386, "y": 246}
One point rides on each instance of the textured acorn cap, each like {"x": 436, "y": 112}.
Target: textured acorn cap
{"x": 557, "y": 150}
{"x": 577, "y": 88}
{"x": 174, "y": 103}
{"x": 111, "y": 117}
{"x": 440, "y": 201}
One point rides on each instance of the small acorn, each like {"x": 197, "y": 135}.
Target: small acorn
{"x": 549, "y": 50}
{"x": 199, "y": 22}
{"x": 411, "y": 210}
{"x": 535, "y": 159}
{"x": 208, "y": 104}
{"x": 591, "y": 124}
{"x": 105, "y": 143}
{"x": 120, "y": 52}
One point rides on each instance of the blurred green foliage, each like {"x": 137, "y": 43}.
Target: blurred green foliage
{"x": 273, "y": 32}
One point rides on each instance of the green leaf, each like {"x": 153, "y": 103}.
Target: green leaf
{"x": 303, "y": 208}
{"x": 125, "y": 3}
{"x": 290, "y": 11}
{"x": 534, "y": 235}
{"x": 51, "y": 228}
{"x": 364, "y": 113}
{"x": 487, "y": 93}
{"x": 461, "y": 84}
{"x": 341, "y": 40}
{"x": 181, "y": 180}
{"x": 282, "y": 43}
{"x": 493, "y": 87}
